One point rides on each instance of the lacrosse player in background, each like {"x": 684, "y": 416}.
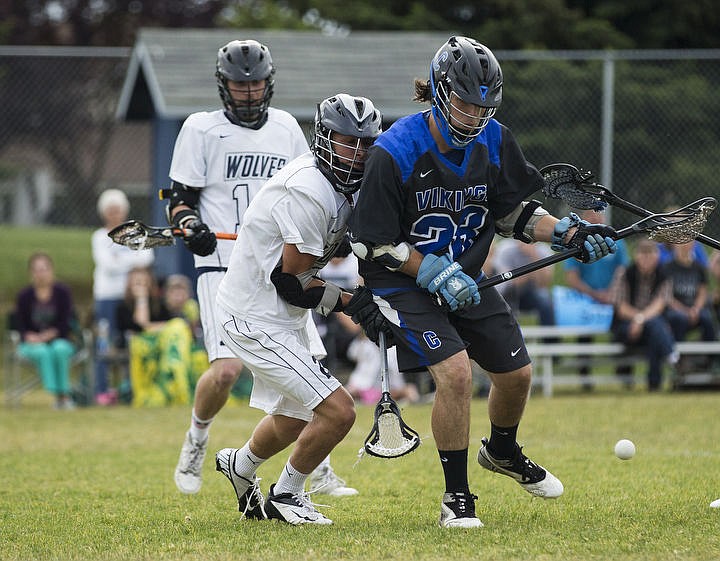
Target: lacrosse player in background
{"x": 290, "y": 231}
{"x": 220, "y": 161}
{"x": 438, "y": 185}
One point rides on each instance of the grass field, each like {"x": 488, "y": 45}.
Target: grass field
{"x": 97, "y": 484}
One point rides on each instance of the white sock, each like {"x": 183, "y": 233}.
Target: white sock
{"x": 246, "y": 463}
{"x": 199, "y": 428}
{"x": 290, "y": 481}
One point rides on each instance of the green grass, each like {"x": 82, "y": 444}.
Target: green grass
{"x": 97, "y": 484}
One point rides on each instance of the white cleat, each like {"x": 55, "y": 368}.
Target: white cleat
{"x": 293, "y": 509}
{"x": 188, "y": 472}
{"x": 458, "y": 511}
{"x": 251, "y": 502}
{"x": 532, "y": 477}
{"x": 324, "y": 481}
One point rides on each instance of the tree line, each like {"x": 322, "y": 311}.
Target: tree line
{"x": 500, "y": 24}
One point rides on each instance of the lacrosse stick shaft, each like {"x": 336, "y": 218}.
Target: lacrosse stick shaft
{"x": 218, "y": 235}
{"x": 384, "y": 382}
{"x": 550, "y": 260}
{"x": 615, "y": 200}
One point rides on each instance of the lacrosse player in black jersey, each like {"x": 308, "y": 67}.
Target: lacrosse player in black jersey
{"x": 438, "y": 185}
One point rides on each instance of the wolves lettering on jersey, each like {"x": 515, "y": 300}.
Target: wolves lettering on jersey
{"x": 230, "y": 164}
{"x": 255, "y": 165}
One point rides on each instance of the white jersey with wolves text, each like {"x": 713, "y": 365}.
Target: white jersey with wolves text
{"x": 230, "y": 164}
{"x": 297, "y": 206}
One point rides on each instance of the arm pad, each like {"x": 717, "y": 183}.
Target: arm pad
{"x": 388, "y": 255}
{"x": 323, "y": 299}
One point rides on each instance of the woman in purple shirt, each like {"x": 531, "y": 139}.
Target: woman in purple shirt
{"x": 43, "y": 314}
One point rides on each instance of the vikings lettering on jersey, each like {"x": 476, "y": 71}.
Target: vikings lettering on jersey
{"x": 441, "y": 203}
{"x": 455, "y": 200}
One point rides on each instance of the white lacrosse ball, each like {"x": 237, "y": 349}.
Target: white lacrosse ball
{"x": 624, "y": 449}
{"x": 715, "y": 504}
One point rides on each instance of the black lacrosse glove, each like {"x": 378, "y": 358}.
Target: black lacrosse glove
{"x": 198, "y": 238}
{"x": 343, "y": 249}
{"x": 594, "y": 240}
{"x": 364, "y": 311}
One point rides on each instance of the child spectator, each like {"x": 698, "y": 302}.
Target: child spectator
{"x": 159, "y": 345}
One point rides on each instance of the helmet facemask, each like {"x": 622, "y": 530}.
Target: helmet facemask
{"x": 458, "y": 126}
{"x": 251, "y": 112}
{"x": 466, "y": 84}
{"x": 344, "y": 161}
{"x": 345, "y": 128}
{"x": 245, "y": 63}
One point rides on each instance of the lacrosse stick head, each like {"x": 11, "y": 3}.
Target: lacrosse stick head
{"x": 137, "y": 236}
{"x": 390, "y": 437}
{"x": 573, "y": 186}
{"x": 681, "y": 225}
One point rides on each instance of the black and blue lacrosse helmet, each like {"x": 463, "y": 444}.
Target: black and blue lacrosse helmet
{"x": 351, "y": 116}
{"x": 467, "y": 69}
{"x": 245, "y": 61}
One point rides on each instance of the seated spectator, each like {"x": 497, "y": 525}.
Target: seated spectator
{"x": 688, "y": 308}
{"x": 697, "y": 251}
{"x": 529, "y": 292}
{"x": 714, "y": 269}
{"x": 595, "y": 280}
{"x": 177, "y": 291}
{"x": 641, "y": 294}
{"x": 112, "y": 264}
{"x": 159, "y": 345}
{"x": 43, "y": 316}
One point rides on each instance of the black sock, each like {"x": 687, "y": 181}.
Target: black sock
{"x": 454, "y": 464}
{"x": 502, "y": 441}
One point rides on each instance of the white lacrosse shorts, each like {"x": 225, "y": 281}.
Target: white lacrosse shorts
{"x": 287, "y": 379}
{"x": 208, "y": 285}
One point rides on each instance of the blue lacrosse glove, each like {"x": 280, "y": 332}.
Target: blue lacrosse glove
{"x": 445, "y": 278}
{"x": 595, "y": 241}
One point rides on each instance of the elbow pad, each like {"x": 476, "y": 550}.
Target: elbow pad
{"x": 390, "y": 256}
{"x": 177, "y": 195}
{"x": 322, "y": 299}
{"x": 520, "y": 223}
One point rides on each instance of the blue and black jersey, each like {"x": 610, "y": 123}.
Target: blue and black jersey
{"x": 439, "y": 203}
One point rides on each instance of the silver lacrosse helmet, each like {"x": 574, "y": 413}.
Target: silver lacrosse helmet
{"x": 466, "y": 70}
{"x": 245, "y": 62}
{"x": 343, "y": 163}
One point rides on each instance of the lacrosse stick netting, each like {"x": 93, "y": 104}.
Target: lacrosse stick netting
{"x": 679, "y": 226}
{"x": 390, "y": 436}
{"x": 136, "y": 235}
{"x": 573, "y": 186}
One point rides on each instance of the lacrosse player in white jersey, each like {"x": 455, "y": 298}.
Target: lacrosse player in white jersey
{"x": 290, "y": 231}
{"x": 220, "y": 161}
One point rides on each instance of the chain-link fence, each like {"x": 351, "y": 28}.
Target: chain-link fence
{"x": 647, "y": 122}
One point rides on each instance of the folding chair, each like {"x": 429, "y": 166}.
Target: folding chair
{"x": 20, "y": 373}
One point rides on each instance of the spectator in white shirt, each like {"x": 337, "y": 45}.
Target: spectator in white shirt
{"x": 112, "y": 264}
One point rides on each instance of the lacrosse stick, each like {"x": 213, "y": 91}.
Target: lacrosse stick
{"x": 679, "y": 226}
{"x": 136, "y": 235}
{"x": 390, "y": 437}
{"x": 574, "y": 186}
